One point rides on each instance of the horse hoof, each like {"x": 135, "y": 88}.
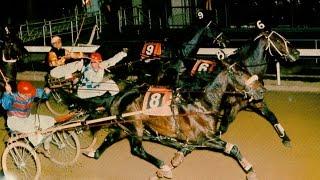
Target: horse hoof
{"x": 177, "y": 159}
{"x": 286, "y": 143}
{"x": 252, "y": 176}
{"x": 165, "y": 171}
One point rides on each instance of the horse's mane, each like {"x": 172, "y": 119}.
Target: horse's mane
{"x": 215, "y": 90}
{"x": 244, "y": 52}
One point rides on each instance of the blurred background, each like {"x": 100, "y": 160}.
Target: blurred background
{"x": 119, "y": 23}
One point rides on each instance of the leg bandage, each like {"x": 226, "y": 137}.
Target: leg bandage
{"x": 245, "y": 164}
{"x": 228, "y": 148}
{"x": 279, "y": 129}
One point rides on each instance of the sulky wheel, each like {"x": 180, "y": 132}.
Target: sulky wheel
{"x": 20, "y": 161}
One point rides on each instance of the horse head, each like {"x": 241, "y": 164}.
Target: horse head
{"x": 208, "y": 35}
{"x": 12, "y": 50}
{"x": 216, "y": 36}
{"x": 244, "y": 82}
{"x": 277, "y": 44}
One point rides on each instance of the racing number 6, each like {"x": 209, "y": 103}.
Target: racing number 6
{"x": 203, "y": 67}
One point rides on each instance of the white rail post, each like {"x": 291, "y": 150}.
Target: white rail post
{"x": 71, "y": 26}
{"x": 96, "y": 26}
{"x": 125, "y": 17}
{"x": 278, "y": 73}
{"x": 20, "y": 31}
{"x": 50, "y": 29}
{"x": 149, "y": 16}
{"x": 27, "y": 24}
{"x": 44, "y": 34}
{"x": 120, "y": 19}
{"x": 76, "y": 20}
{"x": 316, "y": 46}
{"x": 100, "y": 22}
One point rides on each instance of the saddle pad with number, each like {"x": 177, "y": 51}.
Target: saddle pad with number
{"x": 157, "y": 102}
{"x": 203, "y": 65}
{"x": 151, "y": 49}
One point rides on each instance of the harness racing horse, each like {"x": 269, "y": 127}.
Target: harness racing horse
{"x": 169, "y": 63}
{"x": 254, "y": 57}
{"x": 190, "y": 126}
{"x": 12, "y": 49}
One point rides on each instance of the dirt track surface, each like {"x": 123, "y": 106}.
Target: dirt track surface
{"x": 299, "y": 114}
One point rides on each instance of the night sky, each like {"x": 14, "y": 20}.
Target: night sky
{"x": 32, "y": 10}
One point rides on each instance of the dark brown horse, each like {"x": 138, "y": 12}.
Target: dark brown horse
{"x": 12, "y": 50}
{"x": 192, "y": 126}
{"x": 254, "y": 57}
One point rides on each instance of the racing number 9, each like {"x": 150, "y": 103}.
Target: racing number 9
{"x": 149, "y": 49}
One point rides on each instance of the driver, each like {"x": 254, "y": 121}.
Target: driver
{"x": 93, "y": 83}
{"x": 58, "y": 55}
{"x": 18, "y": 105}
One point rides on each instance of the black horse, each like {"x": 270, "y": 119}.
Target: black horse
{"x": 192, "y": 126}
{"x": 12, "y": 50}
{"x": 254, "y": 57}
{"x": 165, "y": 69}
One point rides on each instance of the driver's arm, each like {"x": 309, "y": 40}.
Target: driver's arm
{"x": 53, "y": 60}
{"x": 113, "y": 60}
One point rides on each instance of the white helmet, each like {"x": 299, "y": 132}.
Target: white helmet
{"x": 55, "y": 39}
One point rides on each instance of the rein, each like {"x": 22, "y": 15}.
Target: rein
{"x": 8, "y": 60}
{"x": 245, "y": 93}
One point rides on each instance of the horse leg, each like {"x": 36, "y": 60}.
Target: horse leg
{"x": 262, "y": 109}
{"x": 138, "y": 150}
{"x": 183, "y": 149}
{"x": 229, "y": 116}
{"x": 217, "y": 144}
{"x": 179, "y": 156}
{"x": 114, "y": 136}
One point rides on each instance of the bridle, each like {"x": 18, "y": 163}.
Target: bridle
{"x": 270, "y": 44}
{"x": 12, "y": 60}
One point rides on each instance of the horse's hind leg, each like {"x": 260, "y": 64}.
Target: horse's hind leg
{"x": 138, "y": 150}
{"x": 216, "y": 144}
{"x": 183, "y": 149}
{"x": 262, "y": 109}
{"x": 114, "y": 136}
{"x": 229, "y": 116}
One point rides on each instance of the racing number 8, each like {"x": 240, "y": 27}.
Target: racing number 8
{"x": 149, "y": 49}
{"x": 155, "y": 100}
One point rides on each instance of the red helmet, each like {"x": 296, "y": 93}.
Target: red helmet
{"x": 96, "y": 57}
{"x": 25, "y": 87}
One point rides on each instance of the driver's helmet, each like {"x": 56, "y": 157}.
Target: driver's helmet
{"x": 26, "y": 88}
{"x": 95, "y": 57}
{"x": 55, "y": 39}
